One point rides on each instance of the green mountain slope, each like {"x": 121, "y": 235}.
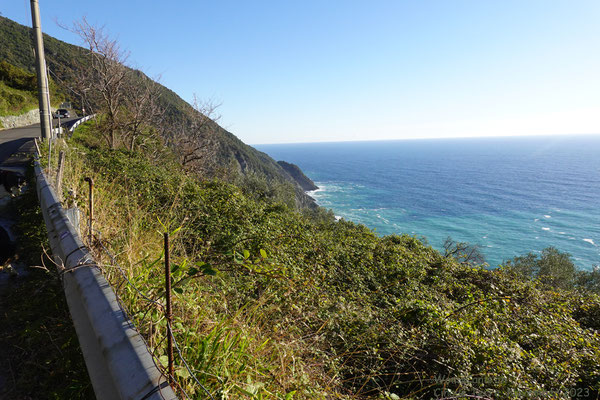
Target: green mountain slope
{"x": 18, "y": 90}
{"x": 224, "y": 155}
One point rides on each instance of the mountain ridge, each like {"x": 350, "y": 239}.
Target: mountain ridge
{"x": 223, "y": 155}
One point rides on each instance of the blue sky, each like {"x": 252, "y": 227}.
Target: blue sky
{"x": 329, "y": 70}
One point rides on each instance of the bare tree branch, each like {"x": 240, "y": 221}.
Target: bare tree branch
{"x": 127, "y": 99}
{"x": 194, "y": 137}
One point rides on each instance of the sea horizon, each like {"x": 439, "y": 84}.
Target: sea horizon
{"x": 510, "y": 195}
{"x": 565, "y": 135}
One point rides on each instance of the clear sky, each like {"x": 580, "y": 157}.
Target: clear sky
{"x": 334, "y": 70}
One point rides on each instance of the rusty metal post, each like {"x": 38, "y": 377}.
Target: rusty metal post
{"x": 59, "y": 174}
{"x": 168, "y": 311}
{"x": 37, "y": 147}
{"x": 91, "y": 206}
{"x": 49, "y": 154}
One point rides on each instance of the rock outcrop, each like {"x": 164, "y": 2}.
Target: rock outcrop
{"x": 295, "y": 172}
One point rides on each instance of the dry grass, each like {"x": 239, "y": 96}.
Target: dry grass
{"x": 234, "y": 351}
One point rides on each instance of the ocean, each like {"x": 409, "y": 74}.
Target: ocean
{"x": 509, "y": 195}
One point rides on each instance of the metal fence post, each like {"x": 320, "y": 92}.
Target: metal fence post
{"x": 59, "y": 174}
{"x": 168, "y": 311}
{"x": 91, "y": 206}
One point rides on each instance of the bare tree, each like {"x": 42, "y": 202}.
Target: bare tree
{"x": 130, "y": 107}
{"x": 142, "y": 110}
{"x": 463, "y": 252}
{"x": 127, "y": 99}
{"x": 195, "y": 134}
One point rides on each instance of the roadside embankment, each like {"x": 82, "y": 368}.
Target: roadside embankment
{"x": 39, "y": 352}
{"x": 117, "y": 359}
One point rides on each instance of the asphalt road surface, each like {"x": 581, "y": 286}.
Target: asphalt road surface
{"x": 12, "y": 140}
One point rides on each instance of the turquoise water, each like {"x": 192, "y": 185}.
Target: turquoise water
{"x": 509, "y": 195}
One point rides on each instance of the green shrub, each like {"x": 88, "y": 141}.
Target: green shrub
{"x": 17, "y": 78}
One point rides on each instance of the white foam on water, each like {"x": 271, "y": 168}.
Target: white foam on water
{"x": 385, "y": 221}
{"x": 545, "y": 229}
{"x": 536, "y": 220}
{"x": 561, "y": 233}
{"x": 547, "y": 216}
{"x": 321, "y": 188}
{"x": 589, "y": 241}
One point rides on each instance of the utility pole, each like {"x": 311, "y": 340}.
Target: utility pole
{"x": 40, "y": 66}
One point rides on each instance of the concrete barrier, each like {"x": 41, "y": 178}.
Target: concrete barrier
{"x": 117, "y": 359}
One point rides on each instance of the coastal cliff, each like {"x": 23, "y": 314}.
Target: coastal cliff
{"x": 295, "y": 172}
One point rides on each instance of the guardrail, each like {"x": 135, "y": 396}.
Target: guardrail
{"x": 58, "y": 131}
{"x": 80, "y": 121}
{"x": 117, "y": 359}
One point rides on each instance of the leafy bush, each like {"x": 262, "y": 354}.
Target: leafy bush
{"x": 554, "y": 269}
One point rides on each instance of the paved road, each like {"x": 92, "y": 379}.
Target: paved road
{"x": 12, "y": 140}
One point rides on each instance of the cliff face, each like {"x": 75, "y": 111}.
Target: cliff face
{"x": 295, "y": 172}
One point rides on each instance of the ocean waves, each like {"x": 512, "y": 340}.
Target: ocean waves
{"x": 511, "y": 195}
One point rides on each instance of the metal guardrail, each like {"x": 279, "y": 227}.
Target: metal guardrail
{"x": 70, "y": 128}
{"x": 117, "y": 359}
{"x": 80, "y": 121}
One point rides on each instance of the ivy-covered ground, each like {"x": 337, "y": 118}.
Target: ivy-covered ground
{"x": 273, "y": 302}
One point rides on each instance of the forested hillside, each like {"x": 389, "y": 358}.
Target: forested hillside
{"x": 191, "y": 130}
{"x": 18, "y": 90}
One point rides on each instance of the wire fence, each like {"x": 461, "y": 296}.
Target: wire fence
{"x": 98, "y": 242}
{"x": 97, "y": 245}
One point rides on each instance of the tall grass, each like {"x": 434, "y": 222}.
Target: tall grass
{"x": 14, "y": 101}
{"x": 231, "y": 348}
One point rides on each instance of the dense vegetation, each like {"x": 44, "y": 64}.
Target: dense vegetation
{"x": 18, "y": 90}
{"x": 272, "y": 302}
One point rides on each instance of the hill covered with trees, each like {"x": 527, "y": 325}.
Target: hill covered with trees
{"x": 140, "y": 104}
